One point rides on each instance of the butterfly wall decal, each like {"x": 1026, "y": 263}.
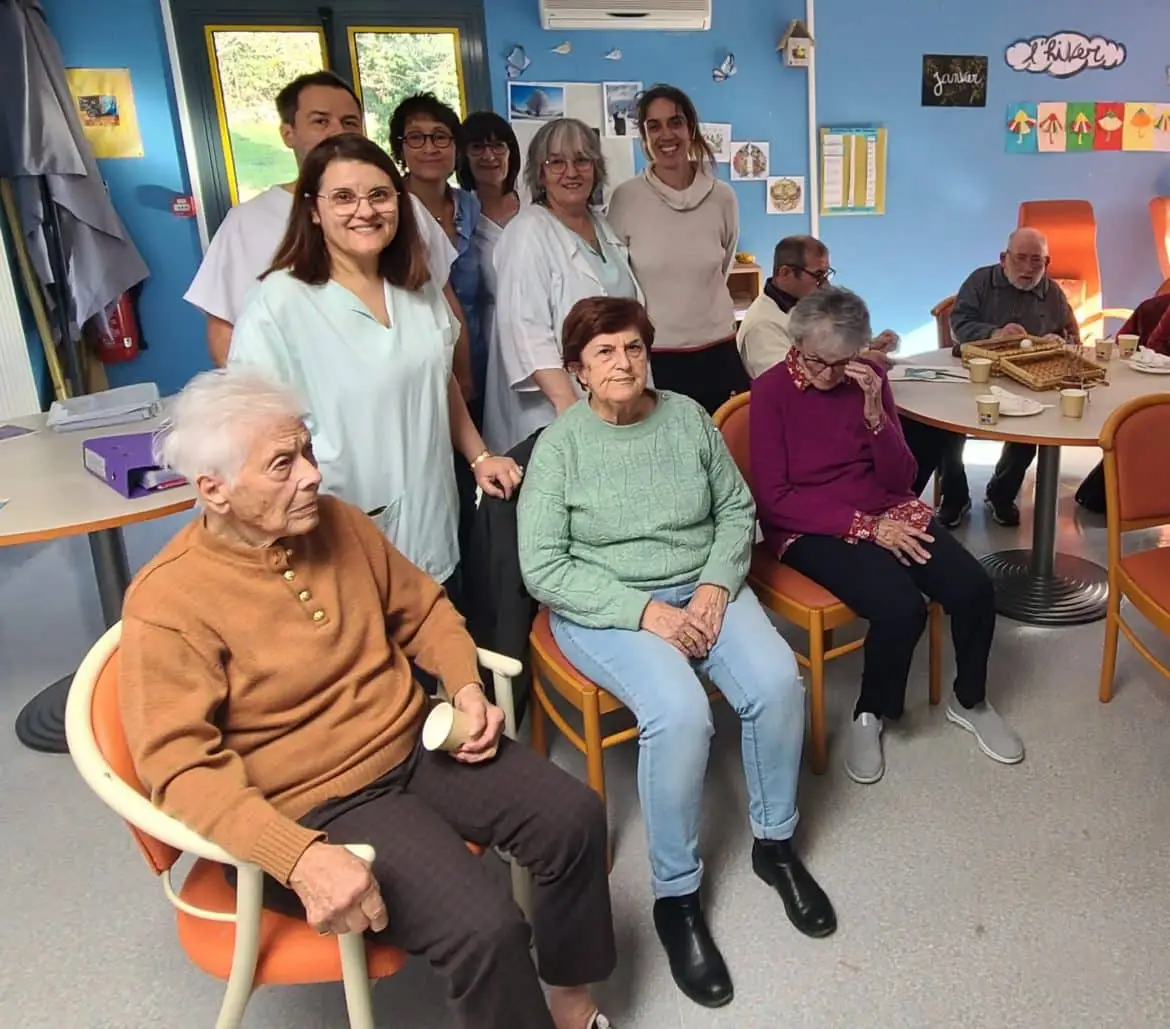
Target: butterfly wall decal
{"x": 725, "y": 70}
{"x": 517, "y": 62}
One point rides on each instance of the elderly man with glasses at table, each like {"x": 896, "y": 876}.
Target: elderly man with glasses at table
{"x": 1010, "y": 298}
{"x": 800, "y": 266}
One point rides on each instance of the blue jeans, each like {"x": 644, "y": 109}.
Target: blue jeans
{"x": 754, "y": 669}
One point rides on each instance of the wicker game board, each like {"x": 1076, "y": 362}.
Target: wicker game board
{"x": 996, "y": 350}
{"x": 1047, "y": 370}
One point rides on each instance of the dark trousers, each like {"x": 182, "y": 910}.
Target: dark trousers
{"x": 888, "y": 594}
{"x": 937, "y": 450}
{"x": 1010, "y": 469}
{"x": 711, "y": 375}
{"x": 447, "y": 906}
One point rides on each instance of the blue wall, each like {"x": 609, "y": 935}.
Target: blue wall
{"x": 953, "y": 192}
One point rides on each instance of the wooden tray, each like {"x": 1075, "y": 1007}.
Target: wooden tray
{"x": 995, "y": 350}
{"x": 1046, "y": 370}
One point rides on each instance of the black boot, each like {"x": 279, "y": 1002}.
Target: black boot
{"x": 809, "y": 909}
{"x": 695, "y": 961}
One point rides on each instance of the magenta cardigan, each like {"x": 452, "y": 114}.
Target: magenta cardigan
{"x": 816, "y": 465}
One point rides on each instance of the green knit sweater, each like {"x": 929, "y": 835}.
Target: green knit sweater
{"x": 610, "y": 512}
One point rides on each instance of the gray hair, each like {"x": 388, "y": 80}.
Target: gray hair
{"x": 1028, "y": 232}
{"x": 563, "y": 137}
{"x": 213, "y": 422}
{"x": 831, "y": 322}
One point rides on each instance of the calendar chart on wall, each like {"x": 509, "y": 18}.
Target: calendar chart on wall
{"x": 853, "y": 169}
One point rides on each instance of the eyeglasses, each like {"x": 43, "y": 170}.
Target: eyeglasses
{"x": 821, "y": 275}
{"x": 559, "y": 165}
{"x": 346, "y": 201}
{"x": 1029, "y": 260}
{"x": 494, "y": 147}
{"x": 417, "y": 140}
{"x": 817, "y": 367}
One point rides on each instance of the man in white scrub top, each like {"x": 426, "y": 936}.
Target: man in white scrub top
{"x": 312, "y": 107}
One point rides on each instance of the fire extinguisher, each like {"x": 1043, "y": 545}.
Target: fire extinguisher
{"x": 119, "y": 338}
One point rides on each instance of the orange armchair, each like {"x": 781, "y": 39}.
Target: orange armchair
{"x": 1160, "y": 223}
{"x": 1071, "y": 230}
{"x": 1137, "y": 496}
{"x": 225, "y": 930}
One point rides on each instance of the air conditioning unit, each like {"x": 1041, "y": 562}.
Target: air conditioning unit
{"x": 663, "y": 15}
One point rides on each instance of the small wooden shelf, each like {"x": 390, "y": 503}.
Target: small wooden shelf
{"x": 745, "y": 282}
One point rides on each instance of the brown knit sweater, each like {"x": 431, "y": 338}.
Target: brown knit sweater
{"x": 259, "y": 683}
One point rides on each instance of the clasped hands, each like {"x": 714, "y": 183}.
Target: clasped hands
{"x": 693, "y": 629}
{"x": 337, "y": 889}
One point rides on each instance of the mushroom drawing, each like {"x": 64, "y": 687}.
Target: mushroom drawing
{"x": 1081, "y": 127}
{"x": 1051, "y": 125}
{"x": 1141, "y": 121}
{"x": 1021, "y": 125}
{"x": 1109, "y": 123}
{"x": 1163, "y": 122}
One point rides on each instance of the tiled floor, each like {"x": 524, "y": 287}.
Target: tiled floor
{"x": 970, "y": 894}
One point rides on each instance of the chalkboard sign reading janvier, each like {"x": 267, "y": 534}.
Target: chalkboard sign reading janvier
{"x": 954, "y": 80}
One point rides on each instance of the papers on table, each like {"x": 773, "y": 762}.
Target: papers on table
{"x": 118, "y": 406}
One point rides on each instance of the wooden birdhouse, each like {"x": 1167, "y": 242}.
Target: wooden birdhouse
{"x": 796, "y": 45}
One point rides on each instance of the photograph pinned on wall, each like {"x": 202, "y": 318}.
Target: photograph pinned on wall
{"x": 535, "y": 101}
{"x": 621, "y": 107}
{"x": 785, "y": 194}
{"x": 718, "y": 137}
{"x": 749, "y": 162}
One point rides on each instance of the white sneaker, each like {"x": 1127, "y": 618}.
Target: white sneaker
{"x": 864, "y": 761}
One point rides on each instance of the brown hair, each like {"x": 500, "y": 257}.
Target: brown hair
{"x": 700, "y": 149}
{"x": 288, "y": 100}
{"x": 602, "y": 316}
{"x": 303, "y": 251}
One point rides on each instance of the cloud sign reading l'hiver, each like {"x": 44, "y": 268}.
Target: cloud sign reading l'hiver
{"x": 1064, "y": 54}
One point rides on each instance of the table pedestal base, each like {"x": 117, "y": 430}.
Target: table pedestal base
{"x": 41, "y": 723}
{"x": 1074, "y": 594}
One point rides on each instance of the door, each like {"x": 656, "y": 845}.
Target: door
{"x": 235, "y": 57}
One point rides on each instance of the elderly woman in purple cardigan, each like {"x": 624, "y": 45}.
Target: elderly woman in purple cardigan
{"x": 833, "y": 482}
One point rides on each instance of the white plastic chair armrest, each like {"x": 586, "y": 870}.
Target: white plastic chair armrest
{"x": 504, "y": 669}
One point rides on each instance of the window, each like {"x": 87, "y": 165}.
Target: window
{"x": 248, "y": 68}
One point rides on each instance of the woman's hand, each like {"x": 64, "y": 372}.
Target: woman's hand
{"x": 708, "y": 603}
{"x": 903, "y": 541}
{"x": 497, "y": 476}
{"x": 680, "y": 627}
{"x": 871, "y": 388}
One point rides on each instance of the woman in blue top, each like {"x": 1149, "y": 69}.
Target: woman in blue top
{"x": 425, "y": 140}
{"x": 350, "y": 316}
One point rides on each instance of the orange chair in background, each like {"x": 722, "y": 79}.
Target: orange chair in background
{"x": 1160, "y": 223}
{"x": 225, "y": 930}
{"x": 1137, "y": 496}
{"x": 804, "y": 603}
{"x": 1071, "y": 230}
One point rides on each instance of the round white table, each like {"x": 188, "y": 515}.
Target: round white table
{"x": 50, "y": 495}
{"x": 1038, "y": 586}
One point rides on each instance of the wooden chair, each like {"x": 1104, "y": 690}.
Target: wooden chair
{"x": 1137, "y": 496}
{"x": 226, "y": 931}
{"x": 553, "y": 673}
{"x": 803, "y": 602}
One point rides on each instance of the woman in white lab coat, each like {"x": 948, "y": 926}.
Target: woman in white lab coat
{"x": 553, "y": 253}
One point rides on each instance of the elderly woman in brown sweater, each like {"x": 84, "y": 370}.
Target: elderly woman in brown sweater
{"x": 281, "y": 724}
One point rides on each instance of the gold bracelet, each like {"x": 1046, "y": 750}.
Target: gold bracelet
{"x": 483, "y": 455}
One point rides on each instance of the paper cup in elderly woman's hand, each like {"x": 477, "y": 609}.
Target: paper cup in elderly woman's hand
{"x": 446, "y": 728}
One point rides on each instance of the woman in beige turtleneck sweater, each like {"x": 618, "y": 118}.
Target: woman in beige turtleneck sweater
{"x": 681, "y": 225}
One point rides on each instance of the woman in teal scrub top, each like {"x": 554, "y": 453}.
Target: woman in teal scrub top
{"x": 349, "y": 316}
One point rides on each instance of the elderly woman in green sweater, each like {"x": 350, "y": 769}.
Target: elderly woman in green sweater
{"x": 636, "y": 530}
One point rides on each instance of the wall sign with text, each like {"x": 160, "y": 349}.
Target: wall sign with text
{"x": 1064, "y": 54}
{"x": 954, "y": 80}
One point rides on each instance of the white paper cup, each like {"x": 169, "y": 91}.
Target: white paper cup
{"x": 1072, "y": 402}
{"x": 1127, "y": 345}
{"x": 988, "y": 407}
{"x": 979, "y": 369}
{"x": 446, "y": 728}
{"x": 1103, "y": 348}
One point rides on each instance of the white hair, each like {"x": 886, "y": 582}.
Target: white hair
{"x": 213, "y": 422}
{"x": 831, "y": 322}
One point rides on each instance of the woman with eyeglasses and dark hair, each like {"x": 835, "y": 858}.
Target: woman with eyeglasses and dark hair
{"x": 681, "y": 224}
{"x": 349, "y": 316}
{"x": 555, "y": 252}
